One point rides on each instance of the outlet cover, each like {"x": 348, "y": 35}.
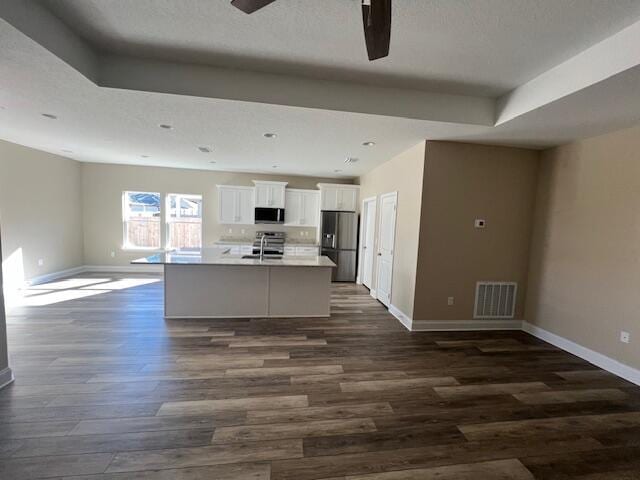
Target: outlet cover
{"x": 40, "y": 262}
{"x": 449, "y": 301}
{"x": 479, "y": 223}
{"x": 113, "y": 254}
{"x": 625, "y": 337}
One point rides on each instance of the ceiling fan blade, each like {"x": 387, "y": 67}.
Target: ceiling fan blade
{"x": 250, "y": 6}
{"x": 376, "y": 18}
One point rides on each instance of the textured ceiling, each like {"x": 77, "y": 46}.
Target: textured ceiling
{"x": 474, "y": 47}
{"x": 108, "y": 112}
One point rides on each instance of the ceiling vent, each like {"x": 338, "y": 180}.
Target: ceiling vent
{"x": 495, "y": 299}
{"x": 350, "y": 160}
{"x": 204, "y": 149}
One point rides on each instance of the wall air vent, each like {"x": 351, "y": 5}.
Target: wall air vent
{"x": 495, "y": 299}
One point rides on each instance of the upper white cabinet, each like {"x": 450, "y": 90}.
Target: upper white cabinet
{"x": 235, "y": 205}
{"x": 302, "y": 207}
{"x": 270, "y": 194}
{"x": 342, "y": 198}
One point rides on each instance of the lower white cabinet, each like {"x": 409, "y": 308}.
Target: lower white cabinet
{"x": 302, "y": 208}
{"x": 235, "y": 205}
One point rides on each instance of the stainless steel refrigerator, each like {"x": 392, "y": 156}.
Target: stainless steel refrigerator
{"x": 339, "y": 242}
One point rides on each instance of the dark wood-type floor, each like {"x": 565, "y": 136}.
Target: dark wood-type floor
{"x": 107, "y": 389}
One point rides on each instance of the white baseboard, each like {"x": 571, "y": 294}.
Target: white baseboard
{"x": 452, "y": 325}
{"x": 124, "y": 268}
{"x": 50, "y": 277}
{"x": 6, "y": 377}
{"x": 402, "y": 318}
{"x": 606, "y": 363}
{"x": 373, "y": 293}
{"x": 464, "y": 325}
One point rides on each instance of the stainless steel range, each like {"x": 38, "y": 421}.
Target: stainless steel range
{"x": 273, "y": 243}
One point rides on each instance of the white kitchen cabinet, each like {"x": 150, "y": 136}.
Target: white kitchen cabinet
{"x": 235, "y": 205}
{"x": 270, "y": 194}
{"x": 301, "y": 208}
{"x": 337, "y": 197}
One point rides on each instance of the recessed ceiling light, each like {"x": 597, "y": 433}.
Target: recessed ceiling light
{"x": 350, "y": 160}
{"x": 166, "y": 126}
{"x": 204, "y": 149}
{"x": 270, "y": 135}
{"x": 369, "y": 144}
{"x": 50, "y": 115}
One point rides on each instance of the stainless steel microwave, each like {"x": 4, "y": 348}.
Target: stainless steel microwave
{"x": 269, "y": 215}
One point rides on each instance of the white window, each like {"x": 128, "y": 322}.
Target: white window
{"x": 184, "y": 221}
{"x": 141, "y": 219}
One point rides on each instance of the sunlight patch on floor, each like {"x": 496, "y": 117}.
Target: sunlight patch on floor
{"x": 72, "y": 289}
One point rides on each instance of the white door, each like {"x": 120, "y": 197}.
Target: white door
{"x": 368, "y": 241}
{"x": 386, "y": 240}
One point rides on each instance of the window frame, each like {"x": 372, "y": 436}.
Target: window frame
{"x": 126, "y": 246}
{"x": 168, "y": 221}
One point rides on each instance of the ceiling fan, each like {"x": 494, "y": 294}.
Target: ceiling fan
{"x": 376, "y": 19}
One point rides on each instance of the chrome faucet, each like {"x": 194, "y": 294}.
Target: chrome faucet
{"x": 262, "y": 239}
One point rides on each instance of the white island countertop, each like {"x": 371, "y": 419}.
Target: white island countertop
{"x": 213, "y": 256}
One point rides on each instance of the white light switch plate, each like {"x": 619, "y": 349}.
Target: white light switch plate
{"x": 449, "y": 301}
{"x": 625, "y": 337}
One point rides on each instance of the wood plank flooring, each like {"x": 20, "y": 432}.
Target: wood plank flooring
{"x": 108, "y": 389}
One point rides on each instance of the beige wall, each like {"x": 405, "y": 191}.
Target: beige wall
{"x": 40, "y": 213}
{"x": 4, "y": 355}
{"x": 402, "y": 174}
{"x": 103, "y": 184}
{"x": 463, "y": 182}
{"x": 585, "y": 258}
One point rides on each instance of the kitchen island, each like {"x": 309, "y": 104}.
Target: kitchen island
{"x": 208, "y": 283}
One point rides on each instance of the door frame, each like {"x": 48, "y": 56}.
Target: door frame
{"x": 366, "y": 209}
{"x": 393, "y": 255}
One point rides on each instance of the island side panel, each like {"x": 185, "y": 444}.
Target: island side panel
{"x": 299, "y": 291}
{"x": 212, "y": 291}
